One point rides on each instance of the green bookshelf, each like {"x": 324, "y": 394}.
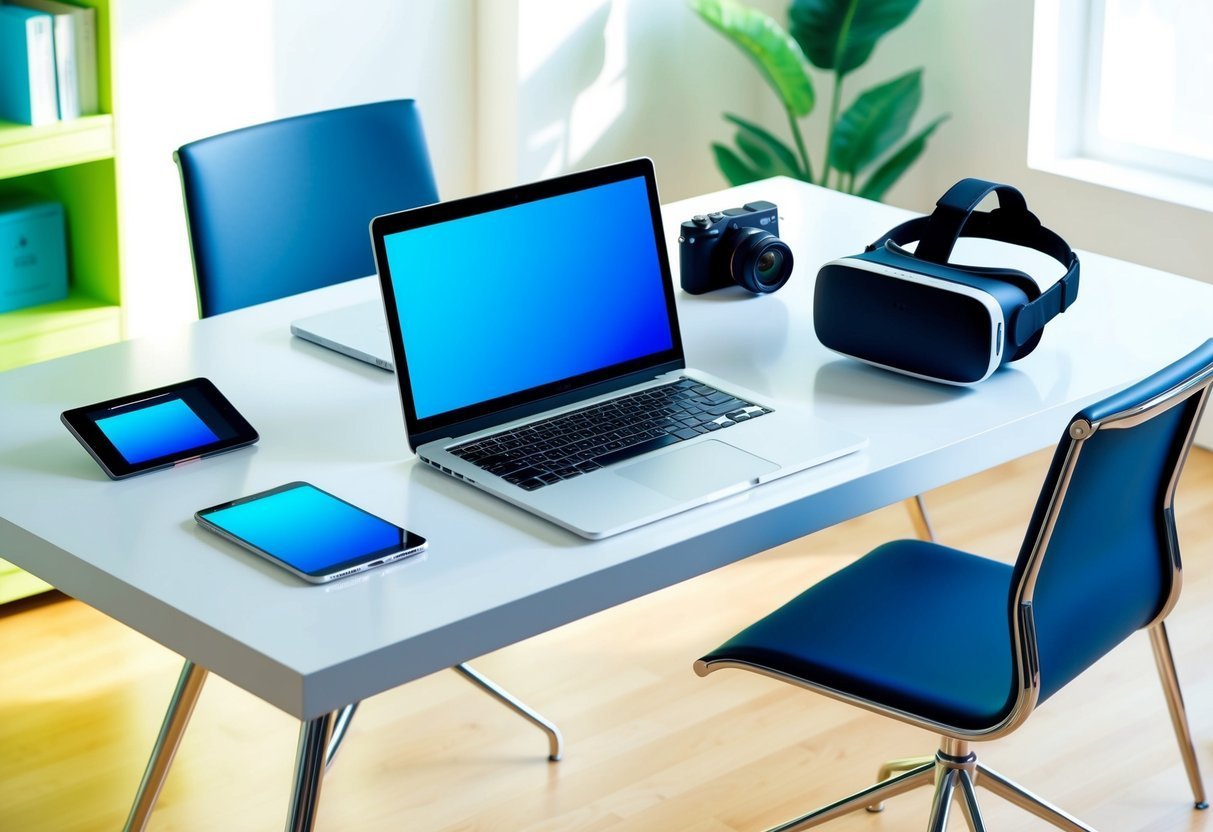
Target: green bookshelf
{"x": 71, "y": 162}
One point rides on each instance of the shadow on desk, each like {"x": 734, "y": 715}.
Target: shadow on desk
{"x": 846, "y": 380}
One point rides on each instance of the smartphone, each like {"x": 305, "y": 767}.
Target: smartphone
{"x": 159, "y": 428}
{"x": 310, "y": 533}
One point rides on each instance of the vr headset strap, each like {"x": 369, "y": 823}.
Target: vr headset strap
{"x": 1011, "y": 222}
{"x": 1032, "y": 318}
{"x": 954, "y": 212}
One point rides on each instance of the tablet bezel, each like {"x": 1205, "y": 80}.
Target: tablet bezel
{"x": 410, "y": 543}
{"x": 82, "y": 423}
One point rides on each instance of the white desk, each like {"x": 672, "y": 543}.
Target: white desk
{"x": 493, "y": 574}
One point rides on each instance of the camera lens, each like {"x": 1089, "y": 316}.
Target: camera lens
{"x": 761, "y": 262}
{"x": 769, "y": 266}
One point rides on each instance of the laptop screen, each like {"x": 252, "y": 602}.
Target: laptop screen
{"x": 493, "y": 304}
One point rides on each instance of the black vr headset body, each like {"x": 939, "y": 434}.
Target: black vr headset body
{"x": 914, "y": 313}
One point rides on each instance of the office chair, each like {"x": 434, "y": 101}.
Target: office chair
{"x": 281, "y": 208}
{"x": 969, "y": 647}
{"x": 284, "y": 207}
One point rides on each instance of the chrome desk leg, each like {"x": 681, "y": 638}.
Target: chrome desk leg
{"x": 341, "y": 724}
{"x": 180, "y": 707}
{"x": 918, "y": 516}
{"x": 314, "y": 738}
{"x": 1179, "y": 716}
{"x": 555, "y": 741}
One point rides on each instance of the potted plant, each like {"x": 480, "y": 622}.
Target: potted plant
{"x": 867, "y": 149}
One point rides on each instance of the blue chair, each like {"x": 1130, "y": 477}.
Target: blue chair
{"x": 968, "y": 647}
{"x": 285, "y": 207}
{"x": 282, "y": 208}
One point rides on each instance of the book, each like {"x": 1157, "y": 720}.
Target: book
{"x": 28, "y": 89}
{"x": 75, "y": 35}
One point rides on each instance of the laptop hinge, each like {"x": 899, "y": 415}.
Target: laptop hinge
{"x": 580, "y": 394}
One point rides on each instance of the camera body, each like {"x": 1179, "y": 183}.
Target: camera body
{"x": 739, "y": 246}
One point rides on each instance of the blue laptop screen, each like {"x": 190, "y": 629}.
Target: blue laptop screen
{"x": 504, "y": 301}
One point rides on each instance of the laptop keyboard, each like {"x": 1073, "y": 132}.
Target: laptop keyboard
{"x": 571, "y": 444}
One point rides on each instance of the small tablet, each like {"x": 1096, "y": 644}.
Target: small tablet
{"x": 159, "y": 428}
{"x": 310, "y": 533}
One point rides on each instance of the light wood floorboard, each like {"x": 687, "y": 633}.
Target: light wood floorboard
{"x": 650, "y": 746}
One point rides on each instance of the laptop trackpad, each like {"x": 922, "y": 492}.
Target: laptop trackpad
{"x": 697, "y": 470}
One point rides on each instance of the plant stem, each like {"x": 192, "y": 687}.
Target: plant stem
{"x": 835, "y": 102}
{"x": 840, "y": 50}
{"x": 804, "y": 154}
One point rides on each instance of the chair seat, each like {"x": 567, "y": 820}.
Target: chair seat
{"x": 911, "y": 625}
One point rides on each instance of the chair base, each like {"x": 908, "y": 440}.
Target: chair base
{"x": 955, "y": 773}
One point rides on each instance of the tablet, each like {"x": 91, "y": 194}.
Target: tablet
{"x": 310, "y": 533}
{"x": 159, "y": 428}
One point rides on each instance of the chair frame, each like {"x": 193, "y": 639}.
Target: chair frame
{"x": 955, "y": 768}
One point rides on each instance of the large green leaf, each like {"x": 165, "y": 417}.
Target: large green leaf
{"x": 768, "y": 45}
{"x": 875, "y": 122}
{"x": 735, "y": 170}
{"x": 892, "y": 168}
{"x": 768, "y": 154}
{"x": 841, "y": 34}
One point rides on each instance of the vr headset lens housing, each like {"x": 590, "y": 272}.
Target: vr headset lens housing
{"x": 915, "y": 313}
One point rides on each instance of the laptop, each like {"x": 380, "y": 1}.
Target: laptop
{"x": 538, "y": 355}
{"x": 358, "y": 331}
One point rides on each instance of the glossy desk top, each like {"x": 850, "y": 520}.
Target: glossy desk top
{"x": 494, "y": 574}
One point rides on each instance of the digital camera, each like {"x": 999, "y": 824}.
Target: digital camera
{"x": 738, "y": 246}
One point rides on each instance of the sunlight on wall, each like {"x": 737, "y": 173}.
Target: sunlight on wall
{"x": 188, "y": 69}
{"x": 603, "y": 101}
{"x": 543, "y": 26}
{"x": 162, "y": 109}
{"x": 572, "y": 73}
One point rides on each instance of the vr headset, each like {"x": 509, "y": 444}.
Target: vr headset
{"x": 914, "y": 313}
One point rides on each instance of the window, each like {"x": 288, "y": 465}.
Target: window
{"x": 1122, "y": 94}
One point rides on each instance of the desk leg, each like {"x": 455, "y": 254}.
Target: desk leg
{"x": 341, "y": 724}
{"x": 918, "y": 516}
{"x": 314, "y": 737}
{"x": 180, "y": 707}
{"x": 555, "y": 741}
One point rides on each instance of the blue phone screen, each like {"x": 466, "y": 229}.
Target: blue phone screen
{"x": 308, "y": 529}
{"x": 170, "y": 427}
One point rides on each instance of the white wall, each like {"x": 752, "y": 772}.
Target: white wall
{"x": 579, "y": 83}
{"x": 513, "y": 90}
{"x": 186, "y": 69}
{"x": 510, "y": 91}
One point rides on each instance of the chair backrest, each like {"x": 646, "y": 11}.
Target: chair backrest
{"x": 285, "y": 207}
{"x": 1101, "y": 559}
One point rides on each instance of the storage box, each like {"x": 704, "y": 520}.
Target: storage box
{"x": 33, "y": 254}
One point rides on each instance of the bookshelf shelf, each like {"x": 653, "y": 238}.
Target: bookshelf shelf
{"x": 37, "y": 333}
{"x": 70, "y": 162}
{"x": 25, "y": 150}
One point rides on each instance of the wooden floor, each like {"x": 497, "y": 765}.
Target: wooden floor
{"x": 650, "y": 745}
